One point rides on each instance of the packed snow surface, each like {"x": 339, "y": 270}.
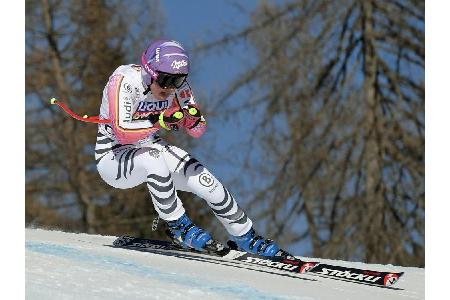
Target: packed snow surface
{"x": 63, "y": 265}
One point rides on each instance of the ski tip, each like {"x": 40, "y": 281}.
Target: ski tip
{"x": 53, "y": 101}
{"x": 391, "y": 278}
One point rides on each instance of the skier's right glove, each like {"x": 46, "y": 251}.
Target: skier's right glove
{"x": 171, "y": 118}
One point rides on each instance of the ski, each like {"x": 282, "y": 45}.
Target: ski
{"x": 377, "y": 278}
{"x": 292, "y": 265}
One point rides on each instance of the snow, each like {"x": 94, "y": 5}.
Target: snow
{"x": 60, "y": 265}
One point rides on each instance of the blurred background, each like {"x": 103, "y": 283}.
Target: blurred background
{"x": 315, "y": 109}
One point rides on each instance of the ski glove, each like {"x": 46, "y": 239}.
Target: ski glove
{"x": 192, "y": 116}
{"x": 171, "y": 118}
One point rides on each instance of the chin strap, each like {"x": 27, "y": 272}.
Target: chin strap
{"x": 85, "y": 118}
{"x": 148, "y": 86}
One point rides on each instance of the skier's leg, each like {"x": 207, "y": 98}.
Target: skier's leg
{"x": 167, "y": 203}
{"x": 118, "y": 167}
{"x": 127, "y": 166}
{"x": 190, "y": 175}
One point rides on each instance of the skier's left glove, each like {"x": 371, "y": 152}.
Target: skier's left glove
{"x": 172, "y": 118}
{"x": 192, "y": 116}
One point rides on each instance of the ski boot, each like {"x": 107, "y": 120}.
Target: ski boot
{"x": 186, "y": 234}
{"x": 256, "y": 244}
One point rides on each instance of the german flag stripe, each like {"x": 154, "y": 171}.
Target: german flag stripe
{"x": 117, "y": 86}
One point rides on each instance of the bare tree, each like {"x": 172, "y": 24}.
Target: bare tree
{"x": 339, "y": 108}
{"x": 71, "y": 49}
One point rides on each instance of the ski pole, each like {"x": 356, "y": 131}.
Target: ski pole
{"x": 85, "y": 118}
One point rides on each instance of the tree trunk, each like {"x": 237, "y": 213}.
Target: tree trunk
{"x": 373, "y": 209}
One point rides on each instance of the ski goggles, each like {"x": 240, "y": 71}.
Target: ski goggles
{"x": 170, "y": 81}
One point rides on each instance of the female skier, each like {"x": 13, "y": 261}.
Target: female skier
{"x": 139, "y": 100}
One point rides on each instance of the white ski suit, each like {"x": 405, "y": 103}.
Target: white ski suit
{"x": 129, "y": 152}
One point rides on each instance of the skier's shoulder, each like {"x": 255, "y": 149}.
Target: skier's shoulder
{"x": 131, "y": 73}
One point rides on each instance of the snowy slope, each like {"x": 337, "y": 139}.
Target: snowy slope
{"x": 80, "y": 266}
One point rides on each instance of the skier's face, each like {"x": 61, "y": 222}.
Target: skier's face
{"x": 160, "y": 93}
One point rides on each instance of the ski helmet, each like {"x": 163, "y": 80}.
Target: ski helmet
{"x": 166, "y": 62}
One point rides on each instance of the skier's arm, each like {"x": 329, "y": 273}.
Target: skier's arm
{"x": 195, "y": 123}
{"x": 121, "y": 111}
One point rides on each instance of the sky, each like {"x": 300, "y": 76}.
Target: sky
{"x": 192, "y": 21}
